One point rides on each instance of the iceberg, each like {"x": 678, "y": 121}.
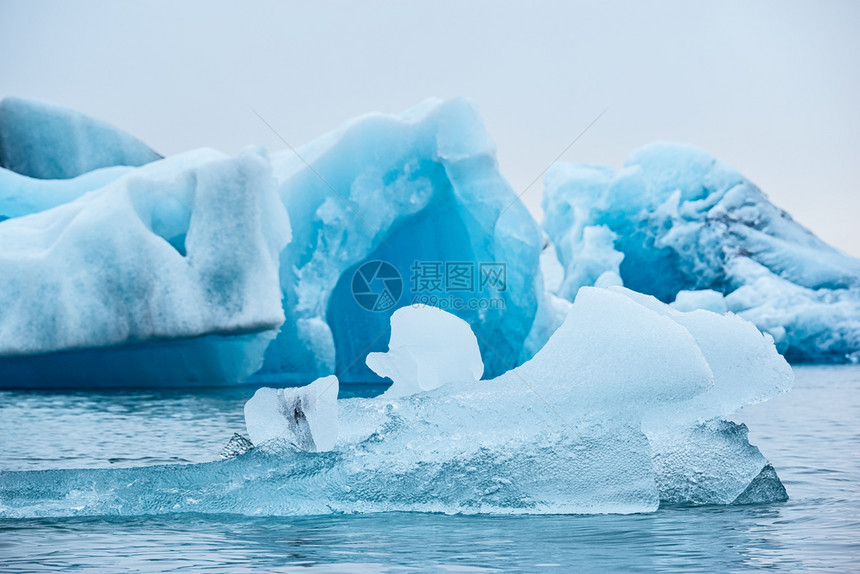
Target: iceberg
{"x": 370, "y": 195}
{"x": 406, "y": 194}
{"x": 167, "y": 275}
{"x": 429, "y": 347}
{"x": 45, "y": 141}
{"x": 679, "y": 224}
{"x": 579, "y": 428}
{"x": 304, "y": 418}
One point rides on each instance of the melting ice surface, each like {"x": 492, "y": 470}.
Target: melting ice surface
{"x": 580, "y": 428}
{"x": 681, "y": 225}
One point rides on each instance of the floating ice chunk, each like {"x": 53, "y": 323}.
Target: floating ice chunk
{"x": 561, "y": 433}
{"x": 51, "y": 142}
{"x": 428, "y": 348}
{"x": 304, "y": 417}
{"x": 683, "y": 221}
{"x": 167, "y": 276}
{"x": 378, "y": 189}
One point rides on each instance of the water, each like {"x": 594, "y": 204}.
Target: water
{"x": 811, "y": 436}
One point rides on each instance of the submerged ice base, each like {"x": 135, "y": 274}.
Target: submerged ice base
{"x": 578, "y": 429}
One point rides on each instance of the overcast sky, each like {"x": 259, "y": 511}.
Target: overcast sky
{"x": 773, "y": 88}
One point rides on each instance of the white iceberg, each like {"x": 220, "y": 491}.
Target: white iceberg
{"x": 52, "y": 142}
{"x": 303, "y": 417}
{"x": 675, "y": 219}
{"x": 428, "y": 348}
{"x": 168, "y": 275}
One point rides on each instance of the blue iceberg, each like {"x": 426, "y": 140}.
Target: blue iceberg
{"x": 45, "y": 141}
{"x": 579, "y": 428}
{"x": 678, "y": 224}
{"x": 418, "y": 189}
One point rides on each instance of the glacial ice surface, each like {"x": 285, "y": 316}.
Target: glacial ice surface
{"x": 570, "y": 431}
{"x": 429, "y": 347}
{"x": 677, "y": 220}
{"x": 46, "y": 141}
{"x": 167, "y": 275}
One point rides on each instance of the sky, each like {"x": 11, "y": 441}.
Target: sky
{"x": 772, "y": 88}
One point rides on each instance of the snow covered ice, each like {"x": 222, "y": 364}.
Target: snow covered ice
{"x": 573, "y": 430}
{"x": 167, "y": 275}
{"x": 677, "y": 223}
{"x": 429, "y": 348}
{"x": 46, "y": 141}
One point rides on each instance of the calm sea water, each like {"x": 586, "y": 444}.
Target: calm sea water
{"x": 811, "y": 436}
